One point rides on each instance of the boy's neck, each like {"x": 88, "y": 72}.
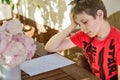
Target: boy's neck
{"x": 104, "y": 30}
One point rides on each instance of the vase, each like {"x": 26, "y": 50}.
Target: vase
{"x": 10, "y": 73}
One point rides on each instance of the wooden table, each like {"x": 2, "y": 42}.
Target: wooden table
{"x": 71, "y": 72}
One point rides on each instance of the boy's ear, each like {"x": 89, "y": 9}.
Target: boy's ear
{"x": 100, "y": 13}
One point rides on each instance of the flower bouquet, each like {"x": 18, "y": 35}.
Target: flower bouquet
{"x": 15, "y": 46}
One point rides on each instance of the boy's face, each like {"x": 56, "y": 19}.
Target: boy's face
{"x": 88, "y": 24}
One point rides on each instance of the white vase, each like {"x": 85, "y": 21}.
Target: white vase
{"x": 9, "y": 73}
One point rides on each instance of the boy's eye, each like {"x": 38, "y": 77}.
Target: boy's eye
{"x": 85, "y": 22}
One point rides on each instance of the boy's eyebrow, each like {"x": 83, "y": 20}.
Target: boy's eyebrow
{"x": 82, "y": 20}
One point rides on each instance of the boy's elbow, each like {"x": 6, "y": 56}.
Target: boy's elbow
{"x": 48, "y": 49}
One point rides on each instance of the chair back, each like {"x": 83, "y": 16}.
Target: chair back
{"x": 114, "y": 19}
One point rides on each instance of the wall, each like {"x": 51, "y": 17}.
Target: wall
{"x": 112, "y": 6}
{"x": 5, "y": 11}
{"x": 54, "y": 13}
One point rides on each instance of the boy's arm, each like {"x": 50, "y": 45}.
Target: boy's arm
{"x": 118, "y": 72}
{"x": 60, "y": 41}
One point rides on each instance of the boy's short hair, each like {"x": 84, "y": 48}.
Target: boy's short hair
{"x": 88, "y": 6}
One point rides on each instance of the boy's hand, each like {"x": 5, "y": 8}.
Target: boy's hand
{"x": 72, "y": 19}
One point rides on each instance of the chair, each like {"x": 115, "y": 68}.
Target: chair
{"x": 114, "y": 19}
{"x": 40, "y": 49}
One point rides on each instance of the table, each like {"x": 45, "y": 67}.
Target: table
{"x": 71, "y": 72}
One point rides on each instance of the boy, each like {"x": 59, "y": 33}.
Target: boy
{"x": 98, "y": 39}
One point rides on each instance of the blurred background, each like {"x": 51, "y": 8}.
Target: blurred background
{"x": 54, "y": 13}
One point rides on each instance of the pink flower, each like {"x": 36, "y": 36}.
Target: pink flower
{"x": 27, "y": 42}
{"x": 15, "y": 47}
{"x": 12, "y": 27}
{"x": 5, "y": 39}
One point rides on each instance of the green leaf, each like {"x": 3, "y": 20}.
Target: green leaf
{"x": 38, "y": 6}
{"x": 2, "y": 1}
{"x": 13, "y": 6}
{"x": 7, "y": 1}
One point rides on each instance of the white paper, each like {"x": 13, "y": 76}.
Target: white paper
{"x": 44, "y": 64}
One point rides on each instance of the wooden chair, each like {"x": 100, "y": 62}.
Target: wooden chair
{"x": 40, "y": 49}
{"x": 114, "y": 19}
